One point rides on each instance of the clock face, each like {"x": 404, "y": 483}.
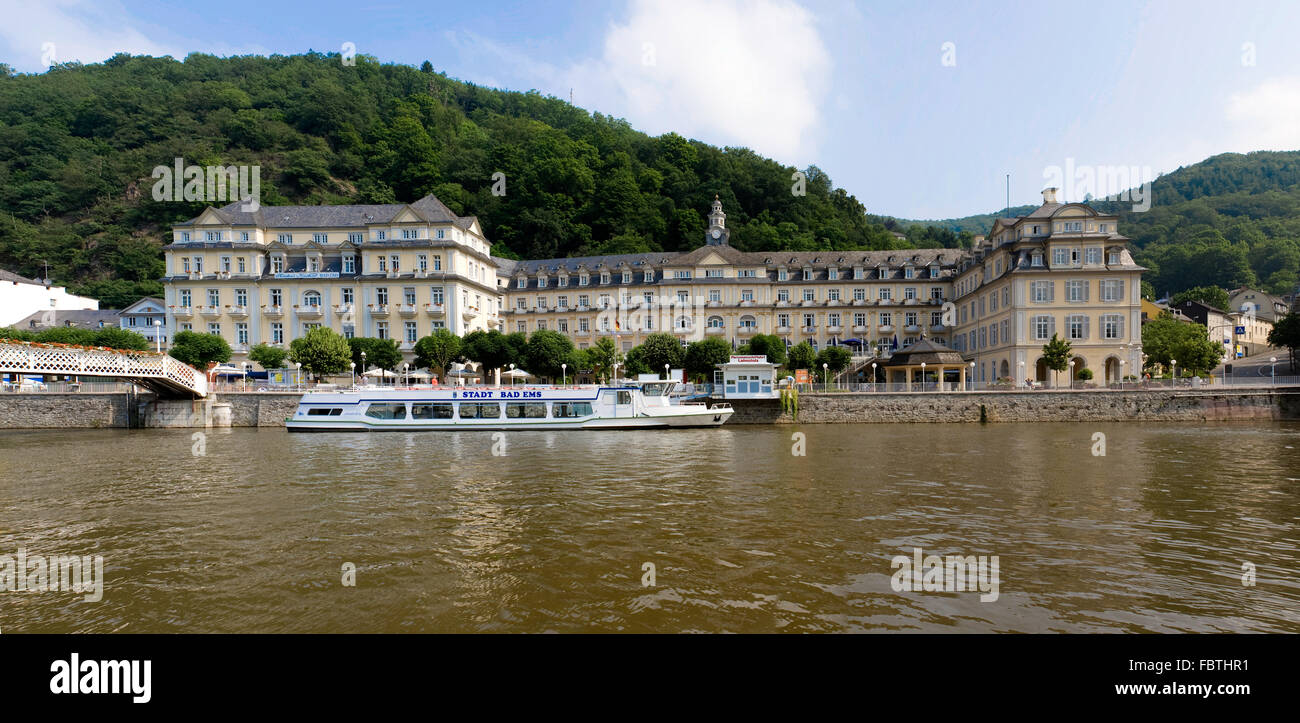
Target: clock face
{"x": 717, "y": 233}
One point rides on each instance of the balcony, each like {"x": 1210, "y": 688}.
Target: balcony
{"x": 469, "y": 312}
{"x": 309, "y": 311}
{"x": 237, "y": 312}
{"x": 715, "y": 330}
{"x": 582, "y": 332}
{"x": 747, "y": 329}
{"x": 910, "y": 302}
{"x": 712, "y": 304}
{"x": 782, "y": 302}
{"x": 781, "y": 330}
{"x": 886, "y": 328}
{"x": 273, "y": 312}
{"x": 343, "y": 309}
{"x": 809, "y": 302}
{"x": 378, "y": 309}
{"x": 746, "y": 302}
{"x": 860, "y": 302}
{"x": 938, "y": 327}
{"x": 562, "y": 309}
{"x": 181, "y": 312}
{"x": 421, "y": 273}
{"x": 223, "y": 274}
{"x": 809, "y": 330}
{"x": 436, "y": 309}
{"x": 834, "y": 329}
{"x": 860, "y": 328}
{"x": 581, "y": 307}
{"x": 211, "y": 312}
{"x": 407, "y": 310}
{"x": 912, "y": 328}
{"x": 833, "y": 302}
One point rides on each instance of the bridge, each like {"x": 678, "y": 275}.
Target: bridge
{"x": 159, "y": 372}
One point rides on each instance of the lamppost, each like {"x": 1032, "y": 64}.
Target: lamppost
{"x": 157, "y": 335}
{"x": 512, "y": 375}
{"x": 1020, "y": 371}
{"x": 1071, "y": 365}
{"x": 667, "y": 372}
{"x": 873, "y": 376}
{"x": 363, "y": 364}
{"x": 922, "y": 376}
{"x": 826, "y": 374}
{"x": 1173, "y": 372}
{"x": 352, "y": 366}
{"x": 1273, "y": 370}
{"x": 1121, "y": 374}
{"x": 298, "y": 367}
{"x": 244, "y": 366}
{"x": 405, "y": 366}
{"x": 614, "y": 379}
{"x": 972, "y": 376}
{"x": 564, "y": 374}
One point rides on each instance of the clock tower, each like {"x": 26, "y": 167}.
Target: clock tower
{"x": 718, "y": 233}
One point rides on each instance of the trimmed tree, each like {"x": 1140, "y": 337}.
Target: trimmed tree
{"x": 270, "y": 357}
{"x": 381, "y": 353}
{"x": 836, "y": 359}
{"x": 660, "y": 349}
{"x": 703, "y": 357}
{"x": 437, "y": 351}
{"x": 492, "y": 349}
{"x": 199, "y": 350}
{"x": 321, "y": 351}
{"x": 117, "y": 338}
{"x": 802, "y": 356}
{"x": 547, "y": 350}
{"x": 767, "y": 344}
{"x": 1056, "y": 355}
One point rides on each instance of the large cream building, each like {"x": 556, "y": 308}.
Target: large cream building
{"x": 402, "y": 270}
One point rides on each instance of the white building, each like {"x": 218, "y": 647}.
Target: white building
{"x": 21, "y": 297}
{"x": 747, "y": 377}
{"x": 140, "y": 317}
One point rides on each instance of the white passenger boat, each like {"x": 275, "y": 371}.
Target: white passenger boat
{"x": 646, "y": 405}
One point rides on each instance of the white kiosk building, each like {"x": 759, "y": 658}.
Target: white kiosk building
{"x": 747, "y": 377}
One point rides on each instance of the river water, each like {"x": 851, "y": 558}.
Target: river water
{"x": 249, "y": 530}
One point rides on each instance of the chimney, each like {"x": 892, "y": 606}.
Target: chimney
{"x": 1049, "y": 195}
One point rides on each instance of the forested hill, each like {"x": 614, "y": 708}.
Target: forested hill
{"x": 1231, "y": 220}
{"x": 78, "y": 144}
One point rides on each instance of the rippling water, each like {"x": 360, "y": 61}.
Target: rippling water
{"x": 744, "y": 535}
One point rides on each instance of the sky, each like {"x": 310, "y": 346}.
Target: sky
{"x": 921, "y": 110}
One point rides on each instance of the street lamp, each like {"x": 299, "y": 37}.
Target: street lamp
{"x": 614, "y": 379}
{"x": 1020, "y": 371}
{"x": 298, "y": 366}
{"x": 1121, "y": 374}
{"x": 405, "y": 366}
{"x": 1173, "y": 372}
{"x": 972, "y": 376}
{"x": 352, "y": 366}
{"x": 244, "y": 365}
{"x": 363, "y": 363}
{"x": 922, "y": 376}
{"x": 564, "y": 371}
{"x": 1071, "y": 365}
{"x": 512, "y": 376}
{"x": 157, "y": 335}
{"x": 1273, "y": 369}
{"x": 667, "y": 372}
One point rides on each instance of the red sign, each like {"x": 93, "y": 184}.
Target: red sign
{"x": 801, "y": 376}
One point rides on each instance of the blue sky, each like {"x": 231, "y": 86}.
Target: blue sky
{"x": 918, "y": 109}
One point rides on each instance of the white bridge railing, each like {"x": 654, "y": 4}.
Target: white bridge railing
{"x": 145, "y": 367}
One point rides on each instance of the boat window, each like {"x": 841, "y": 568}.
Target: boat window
{"x": 432, "y": 411}
{"x": 656, "y": 389}
{"x": 525, "y": 410}
{"x": 625, "y": 397}
{"x": 386, "y": 411}
{"x": 480, "y": 410}
{"x": 570, "y": 409}
{"x": 324, "y": 412}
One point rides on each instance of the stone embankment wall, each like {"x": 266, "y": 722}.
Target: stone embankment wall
{"x": 268, "y": 409}
{"x": 1111, "y": 406}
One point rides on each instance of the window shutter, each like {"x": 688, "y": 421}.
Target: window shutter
{"x": 1051, "y": 291}
{"x": 1119, "y": 324}
{"x": 1051, "y": 326}
{"x": 1086, "y": 322}
{"x": 1120, "y": 289}
{"x": 1087, "y": 289}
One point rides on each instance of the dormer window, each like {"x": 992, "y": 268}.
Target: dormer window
{"x": 185, "y": 237}
{"x": 563, "y": 281}
{"x": 583, "y": 280}
{"x": 649, "y": 277}
{"x": 934, "y": 271}
{"x": 627, "y": 277}
{"x": 908, "y": 272}
{"x": 604, "y": 277}
{"x": 833, "y": 274}
{"x": 521, "y": 283}
{"x": 1036, "y": 259}
{"x": 541, "y": 282}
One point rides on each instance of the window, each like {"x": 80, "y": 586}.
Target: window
{"x": 381, "y": 330}
{"x": 313, "y": 264}
{"x": 715, "y": 296}
{"x": 807, "y": 274}
{"x": 214, "y": 297}
{"x": 809, "y": 295}
{"x": 541, "y": 282}
{"x": 1076, "y": 291}
{"x": 649, "y": 277}
{"x": 214, "y": 328}
{"x": 355, "y": 238}
{"x": 241, "y": 297}
{"x": 746, "y": 274}
{"x": 936, "y": 318}
{"x": 378, "y": 410}
{"x": 349, "y": 265}
{"x": 1112, "y": 326}
{"x": 833, "y": 274}
{"x": 886, "y": 318}
{"x": 393, "y": 260}
{"x": 1044, "y": 327}
{"x": 571, "y": 409}
{"x": 225, "y": 264}
{"x": 522, "y": 283}
{"x": 562, "y": 281}
{"x": 809, "y": 321}
{"x": 526, "y": 410}
{"x": 583, "y": 280}
{"x": 479, "y": 410}
{"x": 185, "y": 298}
{"x": 833, "y": 320}
{"x": 783, "y": 321}
{"x": 423, "y": 410}
{"x": 783, "y": 295}
{"x": 681, "y": 274}
{"x": 1060, "y": 256}
{"x": 320, "y": 238}
{"x": 1092, "y": 255}
{"x": 909, "y": 319}
{"x": 746, "y": 294}
{"x": 909, "y": 292}
{"x": 198, "y": 264}
{"x": 1076, "y": 327}
{"x": 541, "y": 303}
{"x": 936, "y": 293}
{"x": 1036, "y": 259}
{"x": 715, "y": 322}
{"x": 860, "y": 319}
{"x": 277, "y": 297}
{"x": 604, "y": 277}
{"x": 1112, "y": 290}
{"x": 324, "y": 412}
{"x": 185, "y": 236}
{"x": 782, "y": 275}
{"x": 383, "y": 264}
{"x": 833, "y": 295}
{"x": 442, "y": 233}
{"x": 1041, "y": 291}
{"x": 435, "y": 295}
{"x": 311, "y": 298}
{"x": 410, "y": 332}
{"x": 277, "y": 264}
{"x": 185, "y": 264}
{"x": 1114, "y": 258}
{"x": 884, "y": 294}
{"x": 907, "y": 272}
{"x": 284, "y": 238}
{"x": 437, "y": 262}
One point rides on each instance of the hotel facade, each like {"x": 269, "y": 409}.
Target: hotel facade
{"x": 400, "y": 271}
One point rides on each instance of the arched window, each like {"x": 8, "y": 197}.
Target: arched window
{"x": 683, "y": 323}
{"x": 715, "y": 322}
{"x": 748, "y": 322}
{"x": 311, "y": 298}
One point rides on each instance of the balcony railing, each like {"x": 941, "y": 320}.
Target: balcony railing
{"x": 747, "y": 329}
{"x": 407, "y": 309}
{"x": 715, "y": 330}
{"x": 378, "y": 309}
{"x": 237, "y": 312}
{"x": 181, "y": 312}
{"x": 308, "y": 311}
{"x": 343, "y": 308}
{"x": 273, "y": 312}
{"x": 434, "y": 309}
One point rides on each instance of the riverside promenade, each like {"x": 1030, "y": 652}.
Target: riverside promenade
{"x": 89, "y": 410}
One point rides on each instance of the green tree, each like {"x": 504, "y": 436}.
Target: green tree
{"x": 802, "y": 356}
{"x": 601, "y": 358}
{"x": 117, "y": 338}
{"x": 1212, "y": 295}
{"x": 1164, "y": 339}
{"x": 1286, "y": 333}
{"x": 199, "y": 350}
{"x": 380, "y": 353}
{"x": 321, "y": 351}
{"x": 270, "y": 357}
{"x": 491, "y": 348}
{"x": 438, "y": 350}
{"x": 1056, "y": 355}
{"x": 634, "y": 362}
{"x": 659, "y": 349}
{"x": 547, "y": 350}
{"x": 836, "y": 359}
{"x": 703, "y": 357}
{"x": 767, "y": 344}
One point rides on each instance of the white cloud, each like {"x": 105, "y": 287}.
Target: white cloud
{"x": 725, "y": 71}
{"x": 1264, "y": 118}
{"x": 89, "y": 32}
